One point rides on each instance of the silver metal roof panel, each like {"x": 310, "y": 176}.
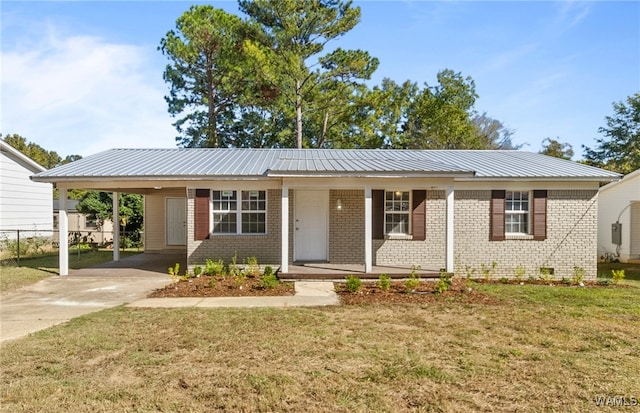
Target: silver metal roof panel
{"x": 195, "y": 163}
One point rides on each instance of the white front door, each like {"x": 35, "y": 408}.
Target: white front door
{"x": 176, "y": 226}
{"x": 311, "y": 225}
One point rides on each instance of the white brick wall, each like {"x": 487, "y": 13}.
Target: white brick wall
{"x": 429, "y": 254}
{"x": 265, "y": 247}
{"x": 571, "y": 237}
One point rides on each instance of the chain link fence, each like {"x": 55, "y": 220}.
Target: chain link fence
{"x": 17, "y": 245}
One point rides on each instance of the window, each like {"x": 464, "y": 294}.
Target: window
{"x": 247, "y": 215}
{"x": 517, "y": 212}
{"x": 396, "y": 212}
{"x": 254, "y": 207}
{"x": 91, "y": 222}
{"x": 225, "y": 207}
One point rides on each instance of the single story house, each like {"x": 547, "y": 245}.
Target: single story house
{"x": 619, "y": 219}
{"x": 83, "y": 226}
{"x": 457, "y": 210}
{"x": 25, "y": 205}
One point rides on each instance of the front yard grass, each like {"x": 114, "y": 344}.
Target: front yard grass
{"x": 32, "y": 270}
{"x": 540, "y": 349}
{"x": 632, "y": 271}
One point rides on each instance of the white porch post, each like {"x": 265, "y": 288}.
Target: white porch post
{"x": 63, "y": 234}
{"x": 284, "y": 260}
{"x": 116, "y": 226}
{"x": 368, "y": 267}
{"x": 450, "y": 225}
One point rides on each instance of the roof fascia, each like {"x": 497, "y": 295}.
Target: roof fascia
{"x": 22, "y": 158}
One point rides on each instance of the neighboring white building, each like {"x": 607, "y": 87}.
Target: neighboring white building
{"x": 24, "y": 204}
{"x": 619, "y": 202}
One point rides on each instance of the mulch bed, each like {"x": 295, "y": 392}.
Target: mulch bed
{"x": 222, "y": 287}
{"x": 370, "y": 293}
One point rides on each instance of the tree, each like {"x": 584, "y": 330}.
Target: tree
{"x": 553, "y": 147}
{"x": 48, "y": 159}
{"x": 440, "y": 116}
{"x": 619, "y": 150}
{"x": 493, "y": 132}
{"x": 99, "y": 205}
{"x": 297, "y": 31}
{"x": 208, "y": 74}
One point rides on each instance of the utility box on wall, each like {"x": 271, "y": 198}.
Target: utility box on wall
{"x": 616, "y": 233}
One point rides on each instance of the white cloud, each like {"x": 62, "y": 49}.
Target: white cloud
{"x": 82, "y": 94}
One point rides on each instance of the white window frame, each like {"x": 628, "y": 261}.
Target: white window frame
{"x": 512, "y": 212}
{"x": 407, "y": 212}
{"x": 238, "y": 211}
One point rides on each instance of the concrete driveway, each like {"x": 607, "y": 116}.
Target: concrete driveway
{"x": 58, "y": 299}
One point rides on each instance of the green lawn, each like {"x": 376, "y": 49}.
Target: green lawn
{"x": 632, "y": 271}
{"x": 541, "y": 349}
{"x": 35, "y": 269}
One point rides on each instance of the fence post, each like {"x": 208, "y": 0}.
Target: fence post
{"x": 18, "y": 247}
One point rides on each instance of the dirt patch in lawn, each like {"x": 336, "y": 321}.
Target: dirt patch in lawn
{"x": 398, "y": 293}
{"x": 210, "y": 286}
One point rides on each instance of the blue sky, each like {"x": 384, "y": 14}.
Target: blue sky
{"x": 80, "y": 77}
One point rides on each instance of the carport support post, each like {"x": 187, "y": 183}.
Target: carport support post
{"x": 284, "y": 208}
{"x": 450, "y": 224}
{"x": 368, "y": 219}
{"x": 116, "y": 226}
{"x": 63, "y": 234}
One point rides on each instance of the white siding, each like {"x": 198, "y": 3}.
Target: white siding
{"x": 614, "y": 204}
{"x": 24, "y": 204}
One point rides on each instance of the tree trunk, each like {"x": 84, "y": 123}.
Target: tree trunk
{"x": 325, "y": 124}
{"x": 298, "y": 114}
{"x": 212, "y": 127}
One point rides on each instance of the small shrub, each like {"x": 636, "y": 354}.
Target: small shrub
{"x": 412, "y": 282}
{"x": 504, "y": 280}
{"x": 520, "y": 272}
{"x": 214, "y": 268}
{"x": 197, "y": 271}
{"x": 578, "y": 275}
{"x": 469, "y": 271}
{"x": 233, "y": 266}
{"x": 268, "y": 270}
{"x": 487, "y": 271}
{"x": 617, "y": 276}
{"x": 546, "y": 274}
{"x": 353, "y": 283}
{"x": 269, "y": 280}
{"x": 605, "y": 282}
{"x": 174, "y": 272}
{"x": 240, "y": 277}
{"x": 212, "y": 282}
{"x": 566, "y": 281}
{"x": 252, "y": 268}
{"x": 384, "y": 282}
{"x": 444, "y": 282}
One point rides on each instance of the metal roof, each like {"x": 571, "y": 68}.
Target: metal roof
{"x": 198, "y": 163}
